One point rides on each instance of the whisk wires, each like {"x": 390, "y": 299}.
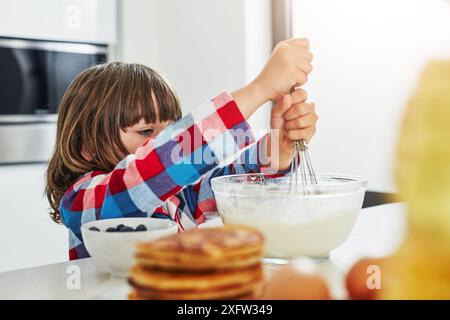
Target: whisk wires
{"x": 301, "y": 164}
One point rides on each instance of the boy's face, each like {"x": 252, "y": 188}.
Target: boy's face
{"x": 133, "y": 137}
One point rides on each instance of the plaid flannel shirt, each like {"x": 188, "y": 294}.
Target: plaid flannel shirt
{"x": 150, "y": 184}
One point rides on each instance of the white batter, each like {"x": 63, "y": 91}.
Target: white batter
{"x": 295, "y": 227}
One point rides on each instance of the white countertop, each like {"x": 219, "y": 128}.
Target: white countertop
{"x": 378, "y": 231}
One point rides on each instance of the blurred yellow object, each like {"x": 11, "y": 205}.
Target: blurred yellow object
{"x": 423, "y": 166}
{"x": 421, "y": 268}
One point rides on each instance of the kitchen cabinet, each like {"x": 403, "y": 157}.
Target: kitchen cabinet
{"x": 28, "y": 236}
{"x": 92, "y": 21}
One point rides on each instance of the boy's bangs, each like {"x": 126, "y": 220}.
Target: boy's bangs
{"x": 138, "y": 106}
{"x": 162, "y": 105}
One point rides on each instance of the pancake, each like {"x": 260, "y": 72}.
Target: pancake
{"x": 227, "y": 247}
{"x": 247, "y": 291}
{"x": 166, "y": 281}
{"x": 213, "y": 263}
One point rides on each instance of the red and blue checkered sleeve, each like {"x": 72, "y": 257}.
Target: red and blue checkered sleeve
{"x": 179, "y": 156}
{"x": 196, "y": 202}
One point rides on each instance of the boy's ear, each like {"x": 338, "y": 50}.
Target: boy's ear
{"x": 86, "y": 156}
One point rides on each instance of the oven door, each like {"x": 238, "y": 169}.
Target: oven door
{"x": 33, "y": 78}
{"x": 35, "y": 74}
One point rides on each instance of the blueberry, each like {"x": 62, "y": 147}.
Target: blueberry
{"x": 127, "y": 229}
{"x": 94, "y": 229}
{"x": 141, "y": 227}
{"x": 111, "y": 229}
{"x": 120, "y": 227}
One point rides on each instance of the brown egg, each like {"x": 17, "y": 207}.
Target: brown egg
{"x": 290, "y": 283}
{"x": 364, "y": 280}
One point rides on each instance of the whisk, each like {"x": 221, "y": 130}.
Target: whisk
{"x": 301, "y": 163}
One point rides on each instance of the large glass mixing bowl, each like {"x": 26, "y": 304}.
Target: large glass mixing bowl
{"x": 298, "y": 221}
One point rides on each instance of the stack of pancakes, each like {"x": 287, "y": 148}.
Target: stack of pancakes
{"x": 215, "y": 263}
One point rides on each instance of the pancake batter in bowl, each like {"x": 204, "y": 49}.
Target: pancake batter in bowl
{"x": 294, "y": 225}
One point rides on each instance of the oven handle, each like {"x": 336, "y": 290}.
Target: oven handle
{"x": 82, "y": 48}
{"x": 17, "y": 120}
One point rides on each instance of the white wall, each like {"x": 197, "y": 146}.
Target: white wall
{"x": 368, "y": 56}
{"x": 28, "y": 237}
{"x": 201, "y": 46}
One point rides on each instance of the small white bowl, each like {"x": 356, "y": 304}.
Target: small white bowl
{"x": 115, "y": 250}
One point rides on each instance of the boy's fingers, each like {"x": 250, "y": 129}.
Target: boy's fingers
{"x": 299, "y": 110}
{"x": 300, "y": 134}
{"x": 308, "y": 56}
{"x": 299, "y": 95}
{"x": 301, "y": 78}
{"x": 305, "y": 66}
{"x": 280, "y": 108}
{"x": 301, "y": 122}
{"x": 301, "y": 42}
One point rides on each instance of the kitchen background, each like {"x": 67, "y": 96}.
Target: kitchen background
{"x": 368, "y": 56}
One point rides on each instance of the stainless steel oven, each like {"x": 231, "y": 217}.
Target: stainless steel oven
{"x": 34, "y": 75}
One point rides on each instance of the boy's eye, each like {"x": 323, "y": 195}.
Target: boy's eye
{"x": 146, "y": 132}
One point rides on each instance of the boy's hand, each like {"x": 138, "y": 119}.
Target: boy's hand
{"x": 288, "y": 66}
{"x": 292, "y": 118}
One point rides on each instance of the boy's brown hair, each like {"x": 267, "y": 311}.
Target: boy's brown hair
{"x": 101, "y": 101}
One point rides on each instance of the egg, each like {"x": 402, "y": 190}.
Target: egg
{"x": 364, "y": 280}
{"x": 291, "y": 283}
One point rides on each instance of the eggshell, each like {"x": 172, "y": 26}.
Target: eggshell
{"x": 364, "y": 280}
{"x": 289, "y": 283}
